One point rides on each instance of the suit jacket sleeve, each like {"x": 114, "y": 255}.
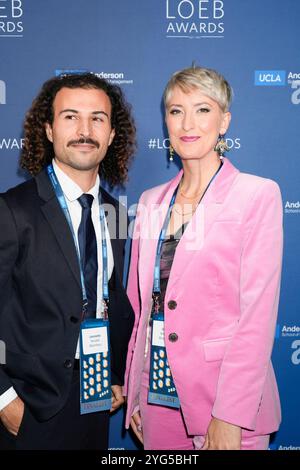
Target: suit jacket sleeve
{"x": 117, "y": 374}
{"x": 133, "y": 290}
{"x": 247, "y": 359}
{"x": 8, "y": 256}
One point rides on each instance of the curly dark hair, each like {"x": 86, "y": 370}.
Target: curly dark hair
{"x": 38, "y": 151}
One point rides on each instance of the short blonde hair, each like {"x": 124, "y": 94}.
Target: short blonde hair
{"x": 209, "y": 81}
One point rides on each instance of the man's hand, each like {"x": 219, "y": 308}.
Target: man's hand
{"x": 117, "y": 397}
{"x": 12, "y": 415}
{"x": 222, "y": 436}
{"x": 136, "y": 424}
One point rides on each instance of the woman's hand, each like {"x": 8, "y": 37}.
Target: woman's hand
{"x": 136, "y": 424}
{"x": 222, "y": 436}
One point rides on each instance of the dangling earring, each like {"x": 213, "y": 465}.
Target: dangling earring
{"x": 221, "y": 146}
{"x": 171, "y": 153}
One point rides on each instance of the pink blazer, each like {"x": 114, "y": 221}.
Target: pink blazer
{"x": 225, "y": 280}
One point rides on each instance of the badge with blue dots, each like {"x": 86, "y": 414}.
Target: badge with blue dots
{"x": 95, "y": 376}
{"x": 162, "y": 389}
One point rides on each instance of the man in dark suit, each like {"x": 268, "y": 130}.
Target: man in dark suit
{"x": 53, "y": 267}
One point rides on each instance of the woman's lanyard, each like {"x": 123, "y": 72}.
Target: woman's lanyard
{"x": 162, "y": 237}
{"x": 63, "y": 204}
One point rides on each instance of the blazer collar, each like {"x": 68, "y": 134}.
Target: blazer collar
{"x": 196, "y": 230}
{"x": 210, "y": 206}
{"x": 208, "y": 211}
{"x": 113, "y": 225}
{"x": 58, "y": 223}
{"x": 218, "y": 188}
{"x": 44, "y": 186}
{"x": 60, "y": 227}
{"x": 222, "y": 183}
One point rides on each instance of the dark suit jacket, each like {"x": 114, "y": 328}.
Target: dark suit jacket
{"x": 41, "y": 298}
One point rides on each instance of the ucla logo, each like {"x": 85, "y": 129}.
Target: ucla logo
{"x": 2, "y": 92}
{"x": 270, "y": 78}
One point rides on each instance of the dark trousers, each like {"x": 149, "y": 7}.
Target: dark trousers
{"x": 68, "y": 430}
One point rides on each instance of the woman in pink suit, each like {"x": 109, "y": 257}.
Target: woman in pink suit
{"x": 204, "y": 283}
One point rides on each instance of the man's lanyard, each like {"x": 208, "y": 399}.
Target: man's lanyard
{"x": 162, "y": 236}
{"x": 63, "y": 204}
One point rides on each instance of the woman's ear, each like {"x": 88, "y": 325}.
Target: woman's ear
{"x": 225, "y": 122}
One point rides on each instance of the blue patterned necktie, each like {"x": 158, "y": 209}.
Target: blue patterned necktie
{"x": 88, "y": 253}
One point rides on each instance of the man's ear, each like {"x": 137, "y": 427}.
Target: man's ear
{"x": 49, "y": 131}
{"x": 111, "y": 137}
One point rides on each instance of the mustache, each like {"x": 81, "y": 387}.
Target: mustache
{"x": 84, "y": 140}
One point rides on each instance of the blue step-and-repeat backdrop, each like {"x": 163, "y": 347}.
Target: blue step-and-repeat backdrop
{"x": 139, "y": 44}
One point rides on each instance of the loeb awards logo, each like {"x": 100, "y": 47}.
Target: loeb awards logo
{"x": 11, "y": 13}
{"x": 195, "y": 19}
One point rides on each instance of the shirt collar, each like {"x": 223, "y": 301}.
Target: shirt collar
{"x": 70, "y": 189}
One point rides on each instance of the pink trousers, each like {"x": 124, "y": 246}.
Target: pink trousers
{"x": 164, "y": 428}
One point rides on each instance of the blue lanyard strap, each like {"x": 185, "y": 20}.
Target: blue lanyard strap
{"x": 63, "y": 204}
{"x": 162, "y": 236}
{"x": 105, "y": 292}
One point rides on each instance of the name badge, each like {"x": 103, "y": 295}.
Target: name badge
{"x": 162, "y": 389}
{"x": 95, "y": 371}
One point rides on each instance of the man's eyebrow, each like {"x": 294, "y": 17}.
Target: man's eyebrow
{"x": 69, "y": 110}
{"x": 100, "y": 112}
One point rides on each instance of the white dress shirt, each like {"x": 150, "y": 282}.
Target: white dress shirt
{"x": 72, "y": 192}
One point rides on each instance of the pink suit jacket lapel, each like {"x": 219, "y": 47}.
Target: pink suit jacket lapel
{"x": 207, "y": 212}
{"x": 194, "y": 236}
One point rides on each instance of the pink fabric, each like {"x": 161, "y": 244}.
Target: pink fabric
{"x": 225, "y": 280}
{"x": 163, "y": 427}
{"x": 248, "y": 443}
